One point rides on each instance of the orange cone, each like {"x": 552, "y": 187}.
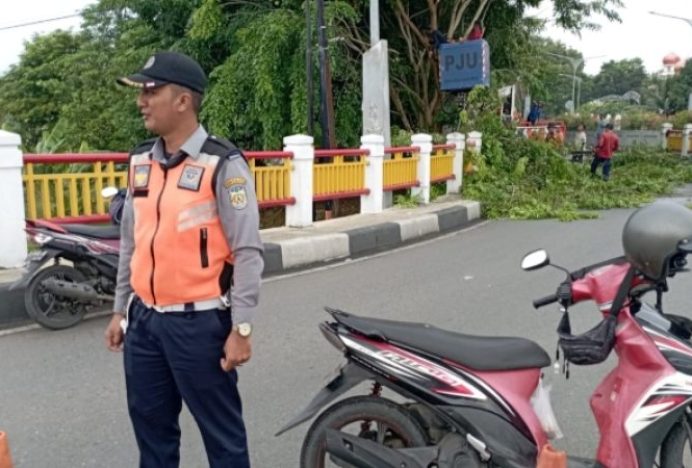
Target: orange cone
{"x": 548, "y": 458}
{"x": 5, "y": 457}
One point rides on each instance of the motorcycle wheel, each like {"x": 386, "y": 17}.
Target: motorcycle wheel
{"x": 676, "y": 449}
{"x": 47, "y": 309}
{"x": 393, "y": 426}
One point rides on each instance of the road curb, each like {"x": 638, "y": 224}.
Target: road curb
{"x": 319, "y": 249}
{"x": 311, "y": 248}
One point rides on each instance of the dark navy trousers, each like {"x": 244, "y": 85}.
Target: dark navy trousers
{"x": 597, "y": 161}
{"x": 174, "y": 357}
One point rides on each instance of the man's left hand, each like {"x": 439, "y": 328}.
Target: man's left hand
{"x": 237, "y": 351}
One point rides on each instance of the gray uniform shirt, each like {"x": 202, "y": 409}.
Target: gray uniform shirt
{"x": 240, "y": 225}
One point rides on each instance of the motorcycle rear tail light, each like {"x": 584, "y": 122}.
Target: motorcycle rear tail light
{"x": 41, "y": 238}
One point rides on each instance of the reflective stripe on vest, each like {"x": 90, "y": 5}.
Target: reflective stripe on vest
{"x": 180, "y": 247}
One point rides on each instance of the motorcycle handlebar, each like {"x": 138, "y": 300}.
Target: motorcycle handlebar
{"x": 544, "y": 301}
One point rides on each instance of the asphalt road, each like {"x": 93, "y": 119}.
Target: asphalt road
{"x": 62, "y": 398}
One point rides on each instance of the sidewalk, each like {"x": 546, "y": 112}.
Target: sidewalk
{"x": 292, "y": 249}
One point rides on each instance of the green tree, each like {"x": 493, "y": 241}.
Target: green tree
{"x": 681, "y": 87}
{"x": 254, "y": 52}
{"x": 33, "y": 92}
{"x": 619, "y": 77}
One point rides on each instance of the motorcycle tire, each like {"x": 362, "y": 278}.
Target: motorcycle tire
{"x": 48, "y": 310}
{"x": 403, "y": 430}
{"x": 675, "y": 451}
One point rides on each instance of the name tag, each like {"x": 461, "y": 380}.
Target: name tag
{"x": 141, "y": 176}
{"x": 191, "y": 178}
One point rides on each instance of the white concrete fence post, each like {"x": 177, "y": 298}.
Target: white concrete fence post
{"x": 13, "y": 248}
{"x": 424, "y": 142}
{"x": 665, "y": 128}
{"x": 686, "y": 132}
{"x": 374, "y": 174}
{"x": 458, "y": 140}
{"x": 300, "y": 213}
{"x": 474, "y": 141}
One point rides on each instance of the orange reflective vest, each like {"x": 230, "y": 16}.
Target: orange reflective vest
{"x": 181, "y": 254}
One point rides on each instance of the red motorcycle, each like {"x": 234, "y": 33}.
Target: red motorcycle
{"x": 472, "y": 401}
{"x": 74, "y": 270}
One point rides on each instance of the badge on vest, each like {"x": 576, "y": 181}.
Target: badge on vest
{"x": 238, "y": 196}
{"x": 141, "y": 177}
{"x": 191, "y": 178}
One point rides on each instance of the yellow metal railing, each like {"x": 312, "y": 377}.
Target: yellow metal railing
{"x": 442, "y": 163}
{"x": 674, "y": 141}
{"x": 338, "y": 174}
{"x": 67, "y": 187}
{"x": 272, "y": 175}
{"x": 401, "y": 171}
{"x": 71, "y": 190}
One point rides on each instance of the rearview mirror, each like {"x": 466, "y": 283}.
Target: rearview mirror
{"x": 535, "y": 260}
{"x": 109, "y": 192}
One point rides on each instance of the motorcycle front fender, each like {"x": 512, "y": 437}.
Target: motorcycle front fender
{"x": 34, "y": 262}
{"x": 349, "y": 376}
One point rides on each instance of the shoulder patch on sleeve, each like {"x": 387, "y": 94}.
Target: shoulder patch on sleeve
{"x": 228, "y": 183}
{"x": 237, "y": 193}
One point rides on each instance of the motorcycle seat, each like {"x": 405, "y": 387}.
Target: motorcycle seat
{"x": 97, "y": 232}
{"x": 475, "y": 352}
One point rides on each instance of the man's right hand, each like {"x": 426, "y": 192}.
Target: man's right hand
{"x": 114, "y": 334}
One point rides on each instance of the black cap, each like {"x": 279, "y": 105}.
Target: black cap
{"x": 166, "y": 68}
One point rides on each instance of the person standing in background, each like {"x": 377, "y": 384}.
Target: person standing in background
{"x": 607, "y": 145}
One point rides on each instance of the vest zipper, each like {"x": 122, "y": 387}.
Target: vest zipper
{"x": 158, "y": 220}
{"x": 203, "y": 247}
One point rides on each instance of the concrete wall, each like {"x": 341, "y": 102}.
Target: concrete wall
{"x": 651, "y": 138}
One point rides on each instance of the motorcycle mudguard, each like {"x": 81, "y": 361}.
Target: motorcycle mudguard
{"x": 451, "y": 451}
{"x": 349, "y": 376}
{"x": 34, "y": 261}
{"x": 363, "y": 453}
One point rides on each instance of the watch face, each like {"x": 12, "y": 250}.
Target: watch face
{"x": 244, "y": 329}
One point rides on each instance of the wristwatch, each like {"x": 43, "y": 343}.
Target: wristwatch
{"x": 244, "y": 329}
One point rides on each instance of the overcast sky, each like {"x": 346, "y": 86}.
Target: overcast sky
{"x": 639, "y": 35}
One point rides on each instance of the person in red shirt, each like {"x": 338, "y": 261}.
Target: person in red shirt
{"x": 608, "y": 144}
{"x": 476, "y": 33}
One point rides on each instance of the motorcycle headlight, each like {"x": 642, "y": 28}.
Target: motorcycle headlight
{"x": 41, "y": 238}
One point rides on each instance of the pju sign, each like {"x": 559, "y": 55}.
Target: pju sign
{"x": 464, "y": 65}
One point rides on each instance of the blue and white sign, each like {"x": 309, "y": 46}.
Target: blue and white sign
{"x": 464, "y": 65}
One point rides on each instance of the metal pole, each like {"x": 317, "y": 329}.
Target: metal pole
{"x": 326, "y": 104}
{"x": 686, "y": 20}
{"x": 374, "y": 22}
{"x": 308, "y": 63}
{"x": 574, "y": 85}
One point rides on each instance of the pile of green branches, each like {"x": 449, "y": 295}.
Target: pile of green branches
{"x": 515, "y": 177}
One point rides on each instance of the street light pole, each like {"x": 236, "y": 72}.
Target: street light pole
{"x": 686, "y": 20}
{"x": 326, "y": 101}
{"x": 575, "y": 62}
{"x": 308, "y": 63}
{"x": 575, "y": 104}
{"x": 374, "y": 22}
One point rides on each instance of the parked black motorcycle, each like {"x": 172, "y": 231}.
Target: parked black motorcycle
{"x": 74, "y": 271}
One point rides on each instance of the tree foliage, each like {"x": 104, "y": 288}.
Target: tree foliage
{"x": 255, "y": 54}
